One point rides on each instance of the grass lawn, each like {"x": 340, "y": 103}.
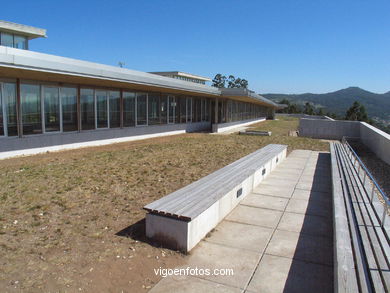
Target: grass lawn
{"x": 60, "y": 213}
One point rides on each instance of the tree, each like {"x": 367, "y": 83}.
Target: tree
{"x": 290, "y": 109}
{"x": 219, "y": 81}
{"x": 357, "y": 112}
{"x": 231, "y": 81}
{"x": 241, "y": 83}
{"x": 320, "y": 112}
{"x": 309, "y": 110}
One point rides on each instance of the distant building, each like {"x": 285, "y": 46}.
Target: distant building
{"x": 17, "y": 35}
{"x": 48, "y": 100}
{"x": 184, "y": 76}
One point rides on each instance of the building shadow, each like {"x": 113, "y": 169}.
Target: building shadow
{"x": 311, "y": 269}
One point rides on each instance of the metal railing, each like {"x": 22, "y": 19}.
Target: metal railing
{"x": 366, "y": 174}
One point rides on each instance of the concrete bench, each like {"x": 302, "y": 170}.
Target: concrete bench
{"x": 361, "y": 252}
{"x": 183, "y": 218}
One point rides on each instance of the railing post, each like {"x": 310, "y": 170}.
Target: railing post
{"x": 372, "y": 192}
{"x": 384, "y": 215}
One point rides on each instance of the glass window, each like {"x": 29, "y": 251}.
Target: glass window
{"x": 115, "y": 109}
{"x": 87, "y": 109}
{"x": 196, "y": 110}
{"x": 205, "y": 110}
{"x": 2, "y": 126}
{"x": 153, "y": 109}
{"x": 189, "y": 109}
{"x": 171, "y": 109}
{"x": 183, "y": 109}
{"x": 69, "y": 109}
{"x": 9, "y": 96}
{"x": 128, "y": 109}
{"x": 31, "y": 109}
{"x": 101, "y": 109}
{"x": 52, "y": 109}
{"x": 7, "y": 40}
{"x": 20, "y": 42}
{"x": 164, "y": 109}
{"x": 141, "y": 109}
{"x": 177, "y": 109}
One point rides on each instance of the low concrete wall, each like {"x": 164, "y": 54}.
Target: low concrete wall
{"x": 35, "y": 144}
{"x": 224, "y": 127}
{"x": 376, "y": 140}
{"x": 302, "y": 116}
{"x": 185, "y": 235}
{"x": 328, "y": 129}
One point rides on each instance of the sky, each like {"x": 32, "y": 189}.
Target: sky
{"x": 279, "y": 46}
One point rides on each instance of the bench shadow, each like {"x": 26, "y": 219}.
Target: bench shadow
{"x": 137, "y": 231}
{"x": 311, "y": 269}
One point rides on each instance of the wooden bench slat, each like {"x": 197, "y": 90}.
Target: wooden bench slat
{"x": 369, "y": 241}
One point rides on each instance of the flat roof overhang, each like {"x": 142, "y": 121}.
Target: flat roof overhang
{"x": 245, "y": 95}
{"x": 16, "y": 63}
{"x": 179, "y": 73}
{"x": 25, "y": 30}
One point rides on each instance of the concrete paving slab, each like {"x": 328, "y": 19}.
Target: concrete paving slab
{"x": 323, "y": 187}
{"x": 188, "y": 284}
{"x": 292, "y": 165}
{"x": 294, "y": 161}
{"x": 311, "y": 225}
{"x": 280, "y": 181}
{"x": 255, "y": 216}
{"x": 309, "y": 207}
{"x": 280, "y": 191}
{"x": 212, "y": 256}
{"x": 315, "y": 180}
{"x": 299, "y": 254}
{"x": 312, "y": 195}
{"x": 280, "y": 174}
{"x": 279, "y": 274}
{"x": 303, "y": 247}
{"x": 265, "y": 201}
{"x": 242, "y": 236}
{"x": 301, "y": 153}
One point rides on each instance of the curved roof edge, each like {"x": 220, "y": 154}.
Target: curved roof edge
{"x": 28, "y": 60}
{"x": 40, "y": 62}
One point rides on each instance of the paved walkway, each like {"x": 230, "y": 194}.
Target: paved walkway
{"x": 278, "y": 239}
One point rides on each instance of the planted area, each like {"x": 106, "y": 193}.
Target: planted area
{"x": 73, "y": 219}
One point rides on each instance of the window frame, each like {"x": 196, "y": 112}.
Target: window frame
{"x": 43, "y": 112}
{"x": 146, "y": 109}
{"x": 107, "y": 109}
{"x": 3, "y": 110}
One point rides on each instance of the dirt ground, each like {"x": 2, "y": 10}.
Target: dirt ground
{"x": 73, "y": 221}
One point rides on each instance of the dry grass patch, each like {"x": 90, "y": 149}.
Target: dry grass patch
{"x": 60, "y": 212}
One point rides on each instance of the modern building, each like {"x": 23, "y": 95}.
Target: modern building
{"x": 47, "y": 100}
{"x": 184, "y": 76}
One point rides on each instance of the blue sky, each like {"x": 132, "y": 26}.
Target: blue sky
{"x": 280, "y": 46}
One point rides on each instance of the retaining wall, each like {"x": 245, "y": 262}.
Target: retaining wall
{"x": 375, "y": 139}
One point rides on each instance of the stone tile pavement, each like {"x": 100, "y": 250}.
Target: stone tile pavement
{"x": 278, "y": 239}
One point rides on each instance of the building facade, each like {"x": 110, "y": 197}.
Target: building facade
{"x": 47, "y": 100}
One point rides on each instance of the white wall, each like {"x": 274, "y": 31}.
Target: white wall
{"x": 376, "y": 140}
{"x": 328, "y": 129}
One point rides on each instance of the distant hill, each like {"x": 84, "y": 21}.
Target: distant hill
{"x": 377, "y": 105}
